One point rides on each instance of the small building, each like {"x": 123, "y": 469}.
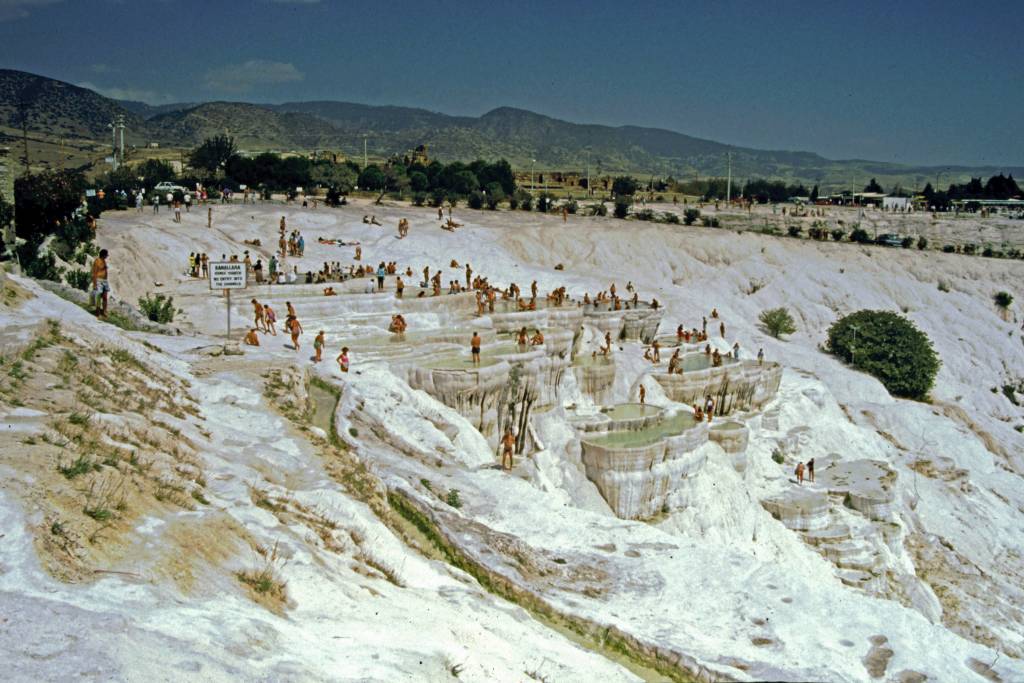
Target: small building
{"x": 897, "y": 203}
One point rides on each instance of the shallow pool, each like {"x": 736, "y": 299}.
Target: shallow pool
{"x": 673, "y": 426}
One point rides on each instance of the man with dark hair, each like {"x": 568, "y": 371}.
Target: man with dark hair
{"x": 100, "y": 285}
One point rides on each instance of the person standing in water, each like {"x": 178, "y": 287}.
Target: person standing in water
{"x": 508, "y": 444}
{"x": 474, "y": 347}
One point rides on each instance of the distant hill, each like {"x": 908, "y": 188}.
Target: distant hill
{"x": 60, "y": 109}
{"x": 54, "y": 108}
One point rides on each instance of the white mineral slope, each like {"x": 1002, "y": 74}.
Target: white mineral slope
{"x": 341, "y": 624}
{"x": 970, "y": 507}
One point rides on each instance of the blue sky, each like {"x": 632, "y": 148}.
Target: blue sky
{"x": 914, "y": 82}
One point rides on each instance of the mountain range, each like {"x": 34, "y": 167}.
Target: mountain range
{"x": 57, "y": 109}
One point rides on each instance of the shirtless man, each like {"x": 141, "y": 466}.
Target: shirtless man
{"x": 643, "y": 395}
{"x": 673, "y": 363}
{"x": 399, "y": 287}
{"x": 295, "y": 329}
{"x": 533, "y": 289}
{"x": 100, "y": 285}
{"x": 656, "y": 351}
{"x": 251, "y": 338}
{"x": 290, "y": 309}
{"x": 800, "y": 473}
{"x": 474, "y": 348}
{"x": 469, "y": 274}
{"x": 508, "y": 444}
{"x": 426, "y": 274}
{"x": 258, "y": 318}
{"x": 269, "y": 319}
{"x": 606, "y": 349}
{"x": 537, "y": 339}
{"x": 810, "y": 470}
{"x": 318, "y": 346}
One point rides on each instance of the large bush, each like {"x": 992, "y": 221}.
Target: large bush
{"x": 889, "y": 347}
{"x": 690, "y": 216}
{"x": 159, "y": 307}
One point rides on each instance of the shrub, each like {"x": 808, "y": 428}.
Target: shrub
{"x": 922, "y": 243}
{"x": 777, "y": 457}
{"x": 948, "y": 249}
{"x": 526, "y": 202}
{"x": 970, "y": 248}
{"x": 545, "y": 202}
{"x": 645, "y": 215}
{"x": 794, "y": 231}
{"x": 419, "y": 198}
{"x": 709, "y": 221}
{"x": 890, "y": 348}
{"x": 621, "y": 207}
{"x": 777, "y": 322}
{"x": 159, "y": 308}
{"x": 860, "y": 236}
{"x": 79, "y": 279}
{"x": 598, "y": 209}
{"x": 572, "y": 206}
{"x": 690, "y": 216}
{"x": 476, "y": 200}
{"x": 670, "y": 217}
{"x": 453, "y": 498}
{"x": 1003, "y": 300}
{"x": 437, "y": 198}
{"x": 453, "y": 199}
{"x": 907, "y": 242}
{"x": 495, "y": 194}
{"x": 838, "y": 234}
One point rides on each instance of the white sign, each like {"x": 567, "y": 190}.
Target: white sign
{"x": 227, "y": 275}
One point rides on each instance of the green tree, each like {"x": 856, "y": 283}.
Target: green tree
{"x": 690, "y": 216}
{"x": 624, "y": 186}
{"x": 814, "y": 194}
{"x": 873, "y": 186}
{"x": 213, "y": 154}
{"x": 464, "y": 182}
{"x": 622, "y": 204}
{"x": 45, "y": 204}
{"x": 777, "y": 322}
{"x": 154, "y": 171}
{"x": 888, "y": 347}
{"x": 495, "y": 194}
{"x": 372, "y": 178}
{"x": 1003, "y": 301}
{"x": 418, "y": 181}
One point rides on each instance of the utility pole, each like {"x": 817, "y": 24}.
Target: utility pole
{"x": 532, "y": 162}
{"x": 590, "y": 188}
{"x": 364, "y": 151}
{"x": 113, "y": 136}
{"x": 728, "y": 183}
{"x": 120, "y": 125}
{"x": 60, "y": 160}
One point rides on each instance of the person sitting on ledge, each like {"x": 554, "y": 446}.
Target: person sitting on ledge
{"x": 698, "y": 414}
{"x": 716, "y": 359}
{"x": 398, "y": 324}
{"x": 252, "y": 339}
{"x": 675, "y": 364}
{"x": 329, "y": 291}
{"x": 654, "y": 304}
{"x": 537, "y": 339}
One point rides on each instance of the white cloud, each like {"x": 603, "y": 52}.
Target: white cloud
{"x": 242, "y": 78}
{"x": 19, "y": 9}
{"x": 134, "y": 94}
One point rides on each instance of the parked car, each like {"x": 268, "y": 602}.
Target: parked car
{"x": 889, "y": 240}
{"x": 169, "y": 187}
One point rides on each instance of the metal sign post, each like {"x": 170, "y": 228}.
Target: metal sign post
{"x": 227, "y": 275}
